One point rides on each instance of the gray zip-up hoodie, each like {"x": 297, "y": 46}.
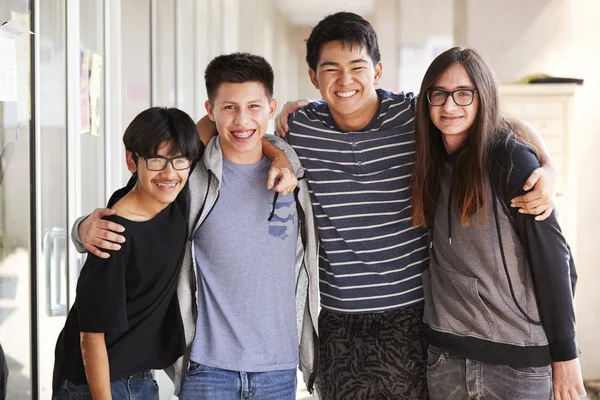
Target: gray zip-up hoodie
{"x": 204, "y": 184}
{"x": 500, "y": 291}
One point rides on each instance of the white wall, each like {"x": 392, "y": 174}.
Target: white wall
{"x": 424, "y": 30}
{"x": 558, "y": 37}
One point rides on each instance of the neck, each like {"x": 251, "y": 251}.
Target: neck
{"x": 358, "y": 119}
{"x": 140, "y": 206}
{"x": 453, "y": 142}
{"x": 244, "y": 158}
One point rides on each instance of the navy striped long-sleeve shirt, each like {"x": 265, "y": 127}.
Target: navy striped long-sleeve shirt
{"x": 371, "y": 257}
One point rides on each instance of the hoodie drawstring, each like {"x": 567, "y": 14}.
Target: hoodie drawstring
{"x": 450, "y": 203}
{"x": 272, "y": 213}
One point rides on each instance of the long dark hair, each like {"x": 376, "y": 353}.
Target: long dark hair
{"x": 471, "y": 162}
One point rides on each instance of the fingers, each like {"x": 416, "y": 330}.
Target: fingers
{"x": 103, "y": 212}
{"x": 569, "y": 393}
{"x": 104, "y": 225}
{"x": 287, "y": 182}
{"x": 534, "y": 210}
{"x": 545, "y": 214}
{"x": 274, "y": 173}
{"x": 520, "y": 201}
{"x": 531, "y": 203}
{"x": 281, "y": 121}
{"x": 281, "y": 125}
{"x": 533, "y": 178}
{"x": 96, "y": 251}
{"x": 101, "y": 234}
{"x": 557, "y": 396}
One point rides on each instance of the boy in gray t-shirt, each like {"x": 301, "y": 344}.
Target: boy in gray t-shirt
{"x": 248, "y": 288}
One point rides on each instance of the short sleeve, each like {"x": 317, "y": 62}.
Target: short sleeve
{"x": 101, "y": 294}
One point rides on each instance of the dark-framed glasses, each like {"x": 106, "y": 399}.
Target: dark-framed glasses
{"x": 158, "y": 163}
{"x": 462, "y": 97}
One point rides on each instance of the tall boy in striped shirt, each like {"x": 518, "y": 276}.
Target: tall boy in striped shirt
{"x": 356, "y": 146}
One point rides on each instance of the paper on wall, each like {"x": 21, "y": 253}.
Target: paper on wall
{"x": 84, "y": 93}
{"x": 95, "y": 86}
{"x": 8, "y": 70}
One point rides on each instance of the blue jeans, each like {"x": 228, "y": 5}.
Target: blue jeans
{"x": 451, "y": 377}
{"x": 137, "y": 387}
{"x": 208, "y": 383}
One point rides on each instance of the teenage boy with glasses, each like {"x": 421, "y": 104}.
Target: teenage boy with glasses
{"x": 125, "y": 320}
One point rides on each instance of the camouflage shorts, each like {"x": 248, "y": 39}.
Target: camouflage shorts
{"x": 381, "y": 356}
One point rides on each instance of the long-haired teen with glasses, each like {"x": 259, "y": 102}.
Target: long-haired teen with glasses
{"x": 499, "y": 287}
{"x": 126, "y": 320}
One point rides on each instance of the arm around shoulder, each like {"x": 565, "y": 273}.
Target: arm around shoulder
{"x": 548, "y": 253}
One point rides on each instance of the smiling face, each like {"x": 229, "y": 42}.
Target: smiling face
{"x": 452, "y": 120}
{"x": 346, "y": 78}
{"x": 157, "y": 187}
{"x": 241, "y": 112}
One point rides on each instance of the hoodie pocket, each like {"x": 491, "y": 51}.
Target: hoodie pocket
{"x": 453, "y": 304}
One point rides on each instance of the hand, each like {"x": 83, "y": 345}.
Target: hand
{"x": 281, "y": 121}
{"x": 282, "y": 170}
{"x": 97, "y": 233}
{"x": 566, "y": 380}
{"x": 540, "y": 200}
{"x": 206, "y": 129}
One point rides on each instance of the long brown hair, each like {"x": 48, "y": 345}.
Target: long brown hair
{"x": 471, "y": 162}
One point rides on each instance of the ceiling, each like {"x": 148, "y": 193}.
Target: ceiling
{"x": 309, "y": 12}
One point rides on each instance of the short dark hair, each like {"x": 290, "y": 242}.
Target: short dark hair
{"x": 349, "y": 29}
{"x": 156, "y": 125}
{"x": 238, "y": 68}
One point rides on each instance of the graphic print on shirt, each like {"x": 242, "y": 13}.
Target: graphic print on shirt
{"x": 282, "y": 223}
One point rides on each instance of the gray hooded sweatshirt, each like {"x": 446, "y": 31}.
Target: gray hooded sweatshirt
{"x": 500, "y": 290}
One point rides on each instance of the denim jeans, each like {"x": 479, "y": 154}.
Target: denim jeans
{"x": 208, "y": 383}
{"x": 451, "y": 377}
{"x": 137, "y": 387}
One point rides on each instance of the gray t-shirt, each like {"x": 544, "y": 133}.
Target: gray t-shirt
{"x": 246, "y": 276}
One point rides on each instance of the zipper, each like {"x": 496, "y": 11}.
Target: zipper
{"x": 316, "y": 348}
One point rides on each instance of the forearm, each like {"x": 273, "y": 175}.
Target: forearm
{"x": 95, "y": 362}
{"x": 551, "y": 272}
{"x": 206, "y": 129}
{"x": 271, "y": 151}
{"x": 530, "y": 135}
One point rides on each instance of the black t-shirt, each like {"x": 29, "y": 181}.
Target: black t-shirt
{"x": 131, "y": 297}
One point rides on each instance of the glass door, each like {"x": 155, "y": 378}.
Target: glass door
{"x": 71, "y": 154}
{"x": 52, "y": 164}
{"x": 16, "y": 135}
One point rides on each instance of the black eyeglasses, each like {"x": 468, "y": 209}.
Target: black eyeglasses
{"x": 462, "y": 97}
{"x": 158, "y": 163}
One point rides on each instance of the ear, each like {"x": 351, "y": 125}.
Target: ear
{"x": 272, "y": 107}
{"x": 209, "y": 110}
{"x": 130, "y": 159}
{"x": 378, "y": 72}
{"x": 313, "y": 78}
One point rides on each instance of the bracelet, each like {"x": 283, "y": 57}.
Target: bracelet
{"x": 274, "y": 159}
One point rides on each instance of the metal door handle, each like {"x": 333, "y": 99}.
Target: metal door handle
{"x": 56, "y": 273}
